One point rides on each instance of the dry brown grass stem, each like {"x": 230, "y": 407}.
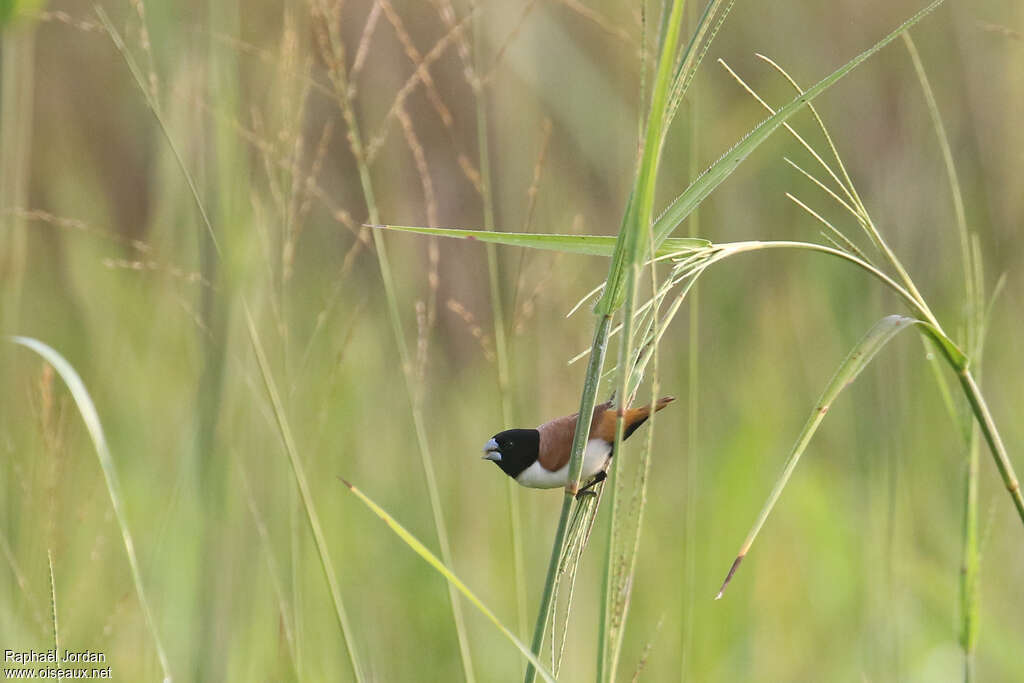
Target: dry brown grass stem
{"x": 420, "y": 160}
{"x": 60, "y": 17}
{"x": 531, "y": 204}
{"x": 272, "y": 160}
{"x": 474, "y": 328}
{"x": 365, "y": 37}
{"x": 50, "y": 416}
{"x": 430, "y": 201}
{"x": 319, "y": 155}
{"x": 153, "y": 266}
{"x": 269, "y": 155}
{"x": 538, "y": 172}
{"x": 147, "y": 49}
{"x": 523, "y": 312}
{"x": 194, "y": 316}
{"x": 302, "y": 194}
{"x": 1004, "y": 31}
{"x": 419, "y": 61}
{"x": 420, "y": 74}
{"x": 77, "y": 225}
{"x": 272, "y": 58}
{"x": 446, "y": 11}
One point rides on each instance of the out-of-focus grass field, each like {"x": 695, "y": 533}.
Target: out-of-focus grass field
{"x": 105, "y": 258}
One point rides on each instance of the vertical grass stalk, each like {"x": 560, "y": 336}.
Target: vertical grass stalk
{"x": 620, "y": 285}
{"x": 338, "y": 74}
{"x": 607, "y": 633}
{"x": 298, "y": 471}
{"x": 590, "y": 386}
{"x": 973, "y": 315}
{"x": 692, "y": 416}
{"x": 17, "y": 83}
{"x": 285, "y": 432}
{"x": 500, "y": 330}
{"x": 53, "y": 601}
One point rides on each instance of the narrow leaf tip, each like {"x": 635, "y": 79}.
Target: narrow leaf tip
{"x": 728, "y": 577}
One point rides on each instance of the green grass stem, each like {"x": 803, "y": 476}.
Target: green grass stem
{"x": 849, "y": 369}
{"x": 53, "y": 601}
{"x": 501, "y": 354}
{"x": 693, "y": 411}
{"x": 417, "y": 546}
{"x": 285, "y": 432}
{"x": 17, "y": 84}
{"x": 973, "y": 325}
{"x": 299, "y": 473}
{"x": 699, "y": 190}
{"x": 345, "y": 101}
{"x": 591, "y": 383}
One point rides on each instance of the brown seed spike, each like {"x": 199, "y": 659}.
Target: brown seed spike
{"x": 345, "y": 482}
{"x": 728, "y": 577}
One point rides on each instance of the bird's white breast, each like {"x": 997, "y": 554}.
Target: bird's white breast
{"x": 595, "y": 459}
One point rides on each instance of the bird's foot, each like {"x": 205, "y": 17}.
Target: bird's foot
{"x": 588, "y": 489}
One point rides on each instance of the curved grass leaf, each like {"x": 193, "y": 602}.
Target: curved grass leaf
{"x": 691, "y": 198}
{"x": 862, "y": 354}
{"x": 432, "y": 559}
{"x": 588, "y": 245}
{"x": 91, "y": 418}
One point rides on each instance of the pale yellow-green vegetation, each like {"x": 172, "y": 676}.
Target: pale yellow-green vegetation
{"x": 287, "y": 404}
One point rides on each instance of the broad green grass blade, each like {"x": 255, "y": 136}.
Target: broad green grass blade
{"x": 862, "y": 354}
{"x": 91, "y": 418}
{"x": 683, "y": 205}
{"x": 587, "y": 245}
{"x": 432, "y": 559}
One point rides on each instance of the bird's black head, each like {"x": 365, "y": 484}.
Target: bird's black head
{"x": 513, "y": 450}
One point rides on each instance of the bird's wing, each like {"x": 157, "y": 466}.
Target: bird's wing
{"x": 556, "y": 437}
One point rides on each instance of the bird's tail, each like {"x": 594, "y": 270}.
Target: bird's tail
{"x": 635, "y": 417}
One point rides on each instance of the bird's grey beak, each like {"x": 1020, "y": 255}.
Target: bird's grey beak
{"x": 491, "y": 451}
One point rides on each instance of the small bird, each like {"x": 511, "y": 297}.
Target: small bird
{"x": 539, "y": 458}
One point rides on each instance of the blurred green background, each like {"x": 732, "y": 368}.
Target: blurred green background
{"x": 104, "y": 257}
